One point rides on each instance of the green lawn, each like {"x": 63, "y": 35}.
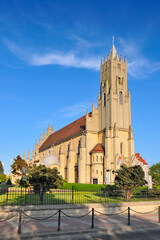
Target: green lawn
{"x": 62, "y": 197}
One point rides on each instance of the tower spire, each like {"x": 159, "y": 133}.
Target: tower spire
{"x": 113, "y": 50}
{"x": 113, "y": 39}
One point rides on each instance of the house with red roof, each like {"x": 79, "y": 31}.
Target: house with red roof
{"x": 138, "y": 160}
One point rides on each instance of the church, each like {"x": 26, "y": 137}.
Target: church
{"x": 92, "y": 148}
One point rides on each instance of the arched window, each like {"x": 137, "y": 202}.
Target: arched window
{"x": 79, "y": 146}
{"x": 104, "y": 99}
{"x": 120, "y": 98}
{"x": 121, "y": 148}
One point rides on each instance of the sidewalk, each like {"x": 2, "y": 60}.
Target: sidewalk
{"x": 69, "y": 226}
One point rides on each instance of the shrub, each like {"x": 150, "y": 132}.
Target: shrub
{"x": 9, "y": 182}
{"x": 156, "y": 186}
{"x": 86, "y": 187}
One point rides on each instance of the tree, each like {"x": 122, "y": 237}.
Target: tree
{"x": 17, "y": 165}
{"x": 128, "y": 179}
{"x": 1, "y": 168}
{"x": 43, "y": 179}
{"x": 155, "y": 172}
{"x": 9, "y": 182}
{"x": 3, "y": 178}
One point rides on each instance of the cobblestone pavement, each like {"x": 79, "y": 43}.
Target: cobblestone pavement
{"x": 111, "y": 224}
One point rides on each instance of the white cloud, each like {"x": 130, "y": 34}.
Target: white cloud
{"x": 64, "y": 59}
{"x": 15, "y": 49}
{"x": 44, "y": 123}
{"x": 76, "y": 109}
{"x": 138, "y": 65}
{"x": 69, "y": 59}
{"x": 83, "y": 43}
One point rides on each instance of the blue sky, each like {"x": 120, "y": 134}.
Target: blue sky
{"x": 49, "y": 67}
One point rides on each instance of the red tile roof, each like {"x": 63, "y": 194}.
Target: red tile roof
{"x": 139, "y": 158}
{"x": 97, "y": 148}
{"x": 66, "y": 132}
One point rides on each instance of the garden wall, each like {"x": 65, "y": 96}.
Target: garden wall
{"x": 47, "y": 210}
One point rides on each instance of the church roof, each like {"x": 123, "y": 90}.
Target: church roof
{"x": 140, "y": 159}
{"x": 97, "y": 148}
{"x": 66, "y": 132}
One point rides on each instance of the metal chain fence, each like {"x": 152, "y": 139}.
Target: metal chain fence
{"x": 60, "y": 213}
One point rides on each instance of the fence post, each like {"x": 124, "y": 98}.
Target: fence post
{"x": 72, "y": 194}
{"x": 92, "y": 226}
{"x": 105, "y": 193}
{"x": 7, "y": 194}
{"x": 59, "y": 220}
{"x": 19, "y": 222}
{"x": 129, "y": 223}
{"x": 159, "y": 214}
{"x": 41, "y": 195}
{"x": 21, "y": 196}
{"x": 25, "y": 196}
{"x": 147, "y": 192}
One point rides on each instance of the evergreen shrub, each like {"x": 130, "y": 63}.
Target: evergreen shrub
{"x": 9, "y": 182}
{"x": 87, "y": 187}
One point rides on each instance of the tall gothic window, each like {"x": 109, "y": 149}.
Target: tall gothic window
{"x": 120, "y": 98}
{"x": 121, "y": 148}
{"x": 104, "y": 99}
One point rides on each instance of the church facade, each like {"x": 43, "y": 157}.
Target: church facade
{"x": 92, "y": 148}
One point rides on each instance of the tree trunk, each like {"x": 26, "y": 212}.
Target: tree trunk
{"x": 127, "y": 194}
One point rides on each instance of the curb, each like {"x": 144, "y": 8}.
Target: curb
{"x": 97, "y": 231}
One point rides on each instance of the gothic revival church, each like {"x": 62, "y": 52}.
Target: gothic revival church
{"x": 92, "y": 148}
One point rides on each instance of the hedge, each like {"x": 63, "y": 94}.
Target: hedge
{"x": 86, "y": 187}
{"x": 94, "y": 187}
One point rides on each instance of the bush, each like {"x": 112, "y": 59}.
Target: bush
{"x": 3, "y": 178}
{"x": 156, "y": 186}
{"x": 9, "y": 182}
{"x": 86, "y": 187}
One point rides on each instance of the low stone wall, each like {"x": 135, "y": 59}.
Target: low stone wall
{"x": 111, "y": 208}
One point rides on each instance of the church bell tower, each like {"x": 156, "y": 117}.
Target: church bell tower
{"x": 115, "y": 113}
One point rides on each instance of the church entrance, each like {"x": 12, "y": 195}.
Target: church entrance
{"x": 95, "y": 181}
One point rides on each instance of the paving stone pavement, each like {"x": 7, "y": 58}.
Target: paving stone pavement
{"x": 111, "y": 224}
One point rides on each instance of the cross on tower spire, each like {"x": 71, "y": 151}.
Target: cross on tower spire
{"x": 113, "y": 50}
{"x": 113, "y": 39}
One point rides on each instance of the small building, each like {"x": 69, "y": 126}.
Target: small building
{"x": 138, "y": 160}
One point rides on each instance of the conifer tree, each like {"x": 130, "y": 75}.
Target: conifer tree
{"x": 155, "y": 172}
{"x": 1, "y": 168}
